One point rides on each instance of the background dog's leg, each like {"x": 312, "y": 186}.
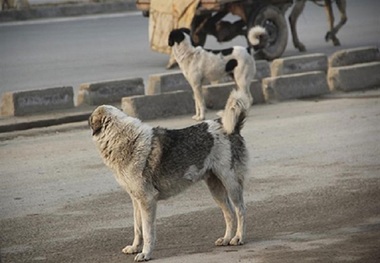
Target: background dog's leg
{"x": 199, "y": 103}
{"x": 148, "y": 209}
{"x": 220, "y": 196}
{"x": 138, "y": 230}
{"x": 243, "y": 81}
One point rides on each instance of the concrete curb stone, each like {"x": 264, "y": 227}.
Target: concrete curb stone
{"x": 166, "y": 82}
{"x": 292, "y": 86}
{"x": 262, "y": 69}
{"x": 216, "y": 95}
{"x": 148, "y": 107}
{"x": 355, "y": 77}
{"x": 111, "y": 91}
{"x": 43, "y": 121}
{"x": 299, "y": 64}
{"x": 21, "y": 103}
{"x": 295, "y": 86}
{"x": 347, "y": 57}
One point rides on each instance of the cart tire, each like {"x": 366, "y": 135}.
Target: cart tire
{"x": 272, "y": 19}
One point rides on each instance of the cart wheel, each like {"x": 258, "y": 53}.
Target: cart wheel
{"x": 272, "y": 19}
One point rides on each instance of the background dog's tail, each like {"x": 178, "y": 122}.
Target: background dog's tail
{"x": 235, "y": 112}
{"x": 258, "y": 37}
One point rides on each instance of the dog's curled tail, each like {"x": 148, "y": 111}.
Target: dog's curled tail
{"x": 234, "y": 113}
{"x": 257, "y": 36}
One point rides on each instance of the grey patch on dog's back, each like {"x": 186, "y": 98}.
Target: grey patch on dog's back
{"x": 173, "y": 153}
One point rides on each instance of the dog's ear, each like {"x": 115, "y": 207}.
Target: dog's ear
{"x": 95, "y": 124}
{"x": 177, "y": 36}
{"x": 171, "y": 38}
{"x": 185, "y": 30}
{"x": 96, "y": 121}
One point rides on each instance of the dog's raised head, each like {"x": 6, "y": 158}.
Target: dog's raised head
{"x": 101, "y": 117}
{"x": 178, "y": 35}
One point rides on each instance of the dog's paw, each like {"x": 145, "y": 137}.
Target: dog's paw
{"x": 236, "y": 241}
{"x": 130, "y": 250}
{"x": 198, "y": 118}
{"x": 142, "y": 257}
{"x": 222, "y": 242}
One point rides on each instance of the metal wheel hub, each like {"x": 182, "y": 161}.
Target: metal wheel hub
{"x": 272, "y": 31}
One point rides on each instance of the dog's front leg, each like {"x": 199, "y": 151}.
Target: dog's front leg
{"x": 199, "y": 103}
{"x": 148, "y": 215}
{"x": 137, "y": 228}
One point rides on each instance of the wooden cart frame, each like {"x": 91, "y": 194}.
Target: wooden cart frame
{"x": 208, "y": 17}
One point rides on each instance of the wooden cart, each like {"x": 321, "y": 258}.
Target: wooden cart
{"x": 208, "y": 20}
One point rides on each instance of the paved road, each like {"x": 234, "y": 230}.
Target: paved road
{"x": 312, "y": 192}
{"x": 56, "y": 52}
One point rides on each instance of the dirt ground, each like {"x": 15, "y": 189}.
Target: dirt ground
{"x": 312, "y": 193}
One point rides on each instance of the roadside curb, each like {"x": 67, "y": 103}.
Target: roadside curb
{"x": 12, "y": 124}
{"x": 173, "y": 102}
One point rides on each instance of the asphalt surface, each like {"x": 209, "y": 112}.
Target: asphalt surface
{"x": 312, "y": 193}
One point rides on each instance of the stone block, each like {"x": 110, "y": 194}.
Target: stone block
{"x": 36, "y": 101}
{"x": 355, "y": 77}
{"x": 103, "y": 92}
{"x": 216, "y": 95}
{"x": 257, "y": 92}
{"x": 299, "y": 64}
{"x": 262, "y": 69}
{"x": 295, "y": 86}
{"x": 353, "y": 56}
{"x": 148, "y": 107}
{"x": 167, "y": 82}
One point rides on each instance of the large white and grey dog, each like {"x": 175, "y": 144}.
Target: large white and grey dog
{"x": 152, "y": 164}
{"x": 198, "y": 64}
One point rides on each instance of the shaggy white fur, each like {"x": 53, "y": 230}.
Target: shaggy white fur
{"x": 198, "y": 64}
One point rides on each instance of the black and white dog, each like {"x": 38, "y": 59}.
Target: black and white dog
{"x": 154, "y": 163}
{"x": 199, "y": 64}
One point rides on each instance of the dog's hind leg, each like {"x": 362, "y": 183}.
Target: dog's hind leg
{"x": 235, "y": 192}
{"x": 234, "y": 187}
{"x": 199, "y": 102}
{"x": 134, "y": 248}
{"x": 220, "y": 196}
